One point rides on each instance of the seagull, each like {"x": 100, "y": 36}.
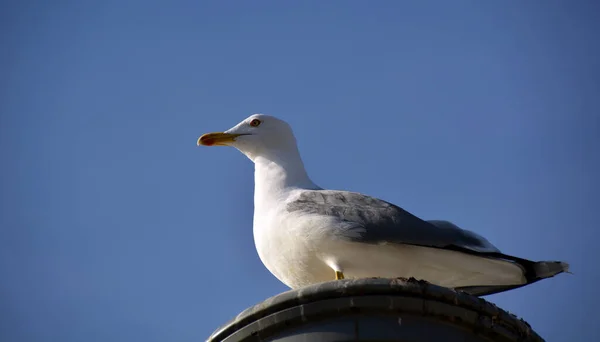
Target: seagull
{"x": 305, "y": 234}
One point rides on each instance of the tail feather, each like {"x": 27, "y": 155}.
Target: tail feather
{"x": 533, "y": 272}
{"x": 547, "y": 269}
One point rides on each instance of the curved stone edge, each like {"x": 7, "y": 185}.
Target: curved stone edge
{"x": 377, "y": 286}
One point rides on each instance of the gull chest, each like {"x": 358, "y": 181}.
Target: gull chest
{"x": 285, "y": 244}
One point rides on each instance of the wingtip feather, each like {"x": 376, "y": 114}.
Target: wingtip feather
{"x": 547, "y": 269}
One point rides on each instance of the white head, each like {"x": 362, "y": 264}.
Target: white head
{"x": 258, "y": 135}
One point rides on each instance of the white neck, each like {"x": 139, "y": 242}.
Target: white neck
{"x": 277, "y": 172}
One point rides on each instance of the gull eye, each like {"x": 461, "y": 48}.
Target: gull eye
{"x": 255, "y": 123}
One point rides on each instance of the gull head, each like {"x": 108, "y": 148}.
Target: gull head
{"x": 259, "y": 135}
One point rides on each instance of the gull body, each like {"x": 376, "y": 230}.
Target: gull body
{"x": 305, "y": 234}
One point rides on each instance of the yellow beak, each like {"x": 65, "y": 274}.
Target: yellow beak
{"x": 218, "y": 139}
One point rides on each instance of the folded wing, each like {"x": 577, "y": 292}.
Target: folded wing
{"x": 370, "y": 220}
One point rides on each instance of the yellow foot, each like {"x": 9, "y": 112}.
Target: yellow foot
{"x": 339, "y": 275}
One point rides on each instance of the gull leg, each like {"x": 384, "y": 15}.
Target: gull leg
{"x": 334, "y": 264}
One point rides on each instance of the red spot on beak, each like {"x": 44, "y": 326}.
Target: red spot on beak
{"x": 218, "y": 138}
{"x": 207, "y": 141}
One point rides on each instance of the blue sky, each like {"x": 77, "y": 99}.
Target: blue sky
{"x": 115, "y": 226}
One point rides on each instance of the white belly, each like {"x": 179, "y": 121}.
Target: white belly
{"x": 301, "y": 255}
{"x": 441, "y": 267}
{"x": 293, "y": 254}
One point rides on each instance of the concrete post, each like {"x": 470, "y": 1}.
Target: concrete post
{"x": 375, "y": 310}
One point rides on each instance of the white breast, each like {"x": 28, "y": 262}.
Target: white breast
{"x": 288, "y": 244}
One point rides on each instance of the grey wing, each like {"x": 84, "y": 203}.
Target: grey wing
{"x": 372, "y": 220}
{"x": 481, "y": 245}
